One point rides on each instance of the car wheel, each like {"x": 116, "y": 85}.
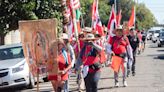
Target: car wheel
{"x": 31, "y": 82}
{"x": 45, "y": 79}
{"x": 154, "y": 41}
{"x": 159, "y": 45}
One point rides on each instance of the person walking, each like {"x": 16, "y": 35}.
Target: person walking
{"x": 134, "y": 42}
{"x": 64, "y": 65}
{"x": 90, "y": 56}
{"x": 72, "y": 55}
{"x": 119, "y": 46}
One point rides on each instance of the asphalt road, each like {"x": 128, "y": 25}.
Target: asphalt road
{"x": 149, "y": 75}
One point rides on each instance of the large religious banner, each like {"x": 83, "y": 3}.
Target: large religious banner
{"x": 37, "y": 37}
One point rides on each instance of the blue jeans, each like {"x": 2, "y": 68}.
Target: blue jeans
{"x": 91, "y": 81}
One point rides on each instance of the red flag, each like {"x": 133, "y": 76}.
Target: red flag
{"x": 112, "y": 22}
{"x": 96, "y": 22}
{"x": 118, "y": 18}
{"x": 76, "y": 4}
{"x": 116, "y": 63}
{"x": 132, "y": 18}
{"x": 78, "y": 27}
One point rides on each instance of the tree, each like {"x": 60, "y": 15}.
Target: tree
{"x": 104, "y": 11}
{"x": 145, "y": 19}
{"x": 12, "y": 11}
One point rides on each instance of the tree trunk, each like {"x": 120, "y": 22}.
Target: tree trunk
{"x": 2, "y": 39}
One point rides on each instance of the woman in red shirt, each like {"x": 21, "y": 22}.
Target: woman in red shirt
{"x": 64, "y": 64}
{"x": 119, "y": 45}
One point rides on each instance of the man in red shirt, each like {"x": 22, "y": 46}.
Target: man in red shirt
{"x": 119, "y": 45}
{"x": 90, "y": 56}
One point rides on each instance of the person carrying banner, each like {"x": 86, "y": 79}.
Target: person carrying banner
{"x": 72, "y": 55}
{"x": 120, "y": 49}
{"x": 134, "y": 42}
{"x": 90, "y": 58}
{"x": 64, "y": 65}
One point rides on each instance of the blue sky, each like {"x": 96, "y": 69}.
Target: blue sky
{"x": 156, "y": 7}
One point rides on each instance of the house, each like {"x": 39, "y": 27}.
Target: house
{"x": 12, "y": 37}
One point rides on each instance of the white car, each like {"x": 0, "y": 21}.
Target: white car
{"x": 155, "y": 36}
{"x": 14, "y": 70}
{"x": 149, "y": 34}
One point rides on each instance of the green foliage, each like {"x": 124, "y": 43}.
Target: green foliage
{"x": 145, "y": 19}
{"x": 104, "y": 11}
{"x": 11, "y": 11}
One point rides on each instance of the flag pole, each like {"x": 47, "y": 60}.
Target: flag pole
{"x": 75, "y": 27}
{"x": 115, "y": 4}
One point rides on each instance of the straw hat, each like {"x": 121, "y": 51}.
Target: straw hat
{"x": 64, "y": 36}
{"x": 87, "y": 29}
{"x": 57, "y": 41}
{"x": 119, "y": 27}
{"x": 90, "y": 36}
{"x": 131, "y": 28}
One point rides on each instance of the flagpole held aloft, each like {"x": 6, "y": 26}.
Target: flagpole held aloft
{"x": 115, "y": 5}
{"x": 75, "y": 25}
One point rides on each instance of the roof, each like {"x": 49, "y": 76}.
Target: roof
{"x": 10, "y": 46}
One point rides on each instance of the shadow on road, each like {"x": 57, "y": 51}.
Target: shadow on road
{"x": 106, "y": 88}
{"x": 160, "y": 56}
{"x": 157, "y": 56}
{"x": 107, "y": 78}
{"x": 11, "y": 90}
{"x": 110, "y": 88}
{"x": 160, "y": 50}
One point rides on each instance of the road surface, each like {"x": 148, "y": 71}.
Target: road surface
{"x": 149, "y": 75}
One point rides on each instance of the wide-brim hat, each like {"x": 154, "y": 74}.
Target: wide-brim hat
{"x": 89, "y": 36}
{"x": 119, "y": 27}
{"x": 64, "y": 36}
{"x": 87, "y": 29}
{"x": 131, "y": 28}
{"x": 57, "y": 41}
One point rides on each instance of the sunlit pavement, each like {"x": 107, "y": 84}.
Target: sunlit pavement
{"x": 149, "y": 75}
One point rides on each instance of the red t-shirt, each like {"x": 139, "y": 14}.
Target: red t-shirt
{"x": 119, "y": 44}
{"x": 62, "y": 65}
{"x": 90, "y": 60}
{"x": 81, "y": 46}
{"x": 140, "y": 36}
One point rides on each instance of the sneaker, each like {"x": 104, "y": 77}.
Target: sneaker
{"x": 117, "y": 84}
{"x": 125, "y": 84}
{"x": 133, "y": 74}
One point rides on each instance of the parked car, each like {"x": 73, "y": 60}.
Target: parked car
{"x": 160, "y": 40}
{"x": 155, "y": 36}
{"x": 14, "y": 70}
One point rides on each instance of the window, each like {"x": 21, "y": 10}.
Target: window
{"x": 11, "y": 53}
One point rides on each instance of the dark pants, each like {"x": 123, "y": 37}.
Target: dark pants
{"x": 134, "y": 61}
{"x": 91, "y": 81}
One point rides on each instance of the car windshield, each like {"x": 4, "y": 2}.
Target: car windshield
{"x": 150, "y": 31}
{"x": 11, "y": 53}
{"x": 157, "y": 31}
{"x": 161, "y": 34}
